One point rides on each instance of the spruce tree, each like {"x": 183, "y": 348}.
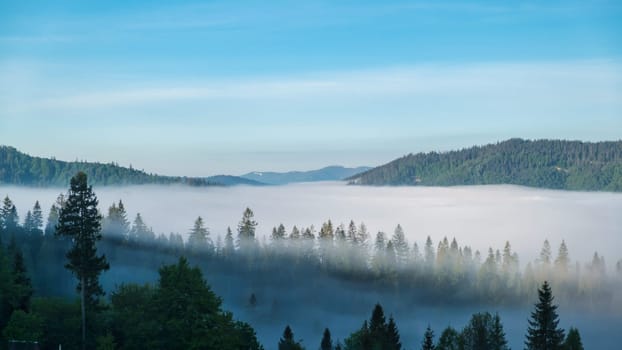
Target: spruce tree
{"x": 198, "y": 239}
{"x": 80, "y": 221}
{"x": 393, "y": 336}
{"x": 37, "y": 216}
{"x": 428, "y": 339}
{"x": 496, "y": 335}
{"x": 8, "y": 216}
{"x": 573, "y": 340}
{"x": 327, "y": 343}
{"x": 246, "y": 230}
{"x": 287, "y": 342}
{"x": 449, "y": 340}
{"x": 229, "y": 248}
{"x": 21, "y": 281}
{"x": 543, "y": 332}
{"x": 401, "y": 245}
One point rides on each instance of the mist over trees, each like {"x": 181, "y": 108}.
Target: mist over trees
{"x": 293, "y": 260}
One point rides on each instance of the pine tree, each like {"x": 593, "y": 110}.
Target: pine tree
{"x": 287, "y": 342}
{"x": 229, "y": 248}
{"x": 198, "y": 238}
{"x": 140, "y": 233}
{"x": 401, "y": 246}
{"x": 545, "y": 254}
{"x": 428, "y": 253}
{"x": 116, "y": 223}
{"x": 543, "y": 333}
{"x": 497, "y": 339}
{"x": 326, "y": 343}
{"x": 246, "y": 230}
{"x": 50, "y": 226}
{"x": 80, "y": 220}
{"x": 21, "y": 282}
{"x": 393, "y": 336}
{"x": 573, "y": 340}
{"x": 9, "y": 220}
{"x": 562, "y": 261}
{"x": 28, "y": 223}
{"x": 352, "y": 235}
{"x": 295, "y": 234}
{"x": 449, "y": 340}
{"x": 37, "y": 216}
{"x": 428, "y": 340}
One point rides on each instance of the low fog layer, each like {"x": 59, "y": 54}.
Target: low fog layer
{"x": 480, "y": 216}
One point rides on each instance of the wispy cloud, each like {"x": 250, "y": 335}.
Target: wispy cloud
{"x": 588, "y": 81}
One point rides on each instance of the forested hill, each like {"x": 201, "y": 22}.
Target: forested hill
{"x": 556, "y": 164}
{"x": 18, "y": 168}
{"x": 329, "y": 173}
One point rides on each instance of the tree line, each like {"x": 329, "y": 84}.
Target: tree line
{"x": 556, "y": 164}
{"x": 17, "y": 168}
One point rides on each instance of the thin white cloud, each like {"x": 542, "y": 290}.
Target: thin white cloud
{"x": 589, "y": 81}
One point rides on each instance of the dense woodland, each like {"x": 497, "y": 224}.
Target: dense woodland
{"x": 17, "y": 168}
{"x": 180, "y": 310}
{"x": 555, "y": 164}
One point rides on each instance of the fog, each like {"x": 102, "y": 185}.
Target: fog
{"x": 480, "y": 216}
{"x": 308, "y": 299}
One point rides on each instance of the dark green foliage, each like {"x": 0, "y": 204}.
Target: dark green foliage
{"x": 61, "y": 322}
{"x": 18, "y": 168}
{"x": 181, "y": 312}
{"x": 543, "y": 333}
{"x": 393, "y": 336}
{"x": 484, "y": 332}
{"x": 377, "y": 334}
{"x": 573, "y": 340}
{"x": 428, "y": 339}
{"x": 449, "y": 340}
{"x": 134, "y": 326}
{"x": 326, "y": 343}
{"x": 555, "y": 164}
{"x": 9, "y": 220}
{"x": 23, "y": 326}
{"x": 22, "y": 287}
{"x": 287, "y": 342}
{"x": 79, "y": 220}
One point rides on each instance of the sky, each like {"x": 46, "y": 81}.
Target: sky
{"x": 228, "y": 87}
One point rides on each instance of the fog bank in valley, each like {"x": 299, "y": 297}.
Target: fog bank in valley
{"x": 480, "y": 216}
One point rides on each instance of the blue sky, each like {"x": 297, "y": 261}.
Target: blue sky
{"x": 202, "y": 88}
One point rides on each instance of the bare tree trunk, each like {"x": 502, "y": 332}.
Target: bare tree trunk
{"x": 82, "y": 297}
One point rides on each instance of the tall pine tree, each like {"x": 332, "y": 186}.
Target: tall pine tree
{"x": 80, "y": 221}
{"x": 428, "y": 339}
{"x": 543, "y": 332}
{"x": 327, "y": 343}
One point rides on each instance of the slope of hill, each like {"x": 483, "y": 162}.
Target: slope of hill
{"x": 17, "y": 168}
{"x": 556, "y": 164}
{"x": 330, "y": 173}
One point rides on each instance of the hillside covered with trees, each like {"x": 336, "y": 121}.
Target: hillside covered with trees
{"x": 555, "y": 164}
{"x": 18, "y": 168}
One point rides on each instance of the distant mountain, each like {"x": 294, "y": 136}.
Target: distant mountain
{"x": 18, "y": 168}
{"x": 330, "y": 173}
{"x": 555, "y": 164}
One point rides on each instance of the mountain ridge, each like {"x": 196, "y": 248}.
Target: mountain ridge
{"x": 544, "y": 163}
{"x": 19, "y": 168}
{"x": 328, "y": 173}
